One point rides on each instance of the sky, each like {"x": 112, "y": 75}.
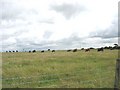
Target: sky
{"x": 57, "y": 24}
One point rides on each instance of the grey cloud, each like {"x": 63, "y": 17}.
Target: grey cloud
{"x": 47, "y": 34}
{"x": 68, "y": 10}
{"x": 14, "y": 24}
{"x": 9, "y": 10}
{"x": 69, "y": 41}
{"x": 48, "y": 21}
{"x": 13, "y": 15}
{"x": 111, "y": 32}
{"x": 31, "y": 44}
{"x": 6, "y": 35}
{"x": 109, "y": 40}
{"x": 73, "y": 41}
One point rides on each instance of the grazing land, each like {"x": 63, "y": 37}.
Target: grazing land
{"x": 59, "y": 69}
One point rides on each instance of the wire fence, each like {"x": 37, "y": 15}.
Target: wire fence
{"x": 117, "y": 75}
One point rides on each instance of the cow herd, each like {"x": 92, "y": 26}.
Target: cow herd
{"x": 86, "y": 50}
{"x": 42, "y": 51}
{"x": 33, "y": 51}
{"x": 69, "y": 50}
{"x": 12, "y": 51}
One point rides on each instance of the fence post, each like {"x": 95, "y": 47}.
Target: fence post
{"x": 117, "y": 75}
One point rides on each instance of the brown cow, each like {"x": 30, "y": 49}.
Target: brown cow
{"x": 86, "y": 50}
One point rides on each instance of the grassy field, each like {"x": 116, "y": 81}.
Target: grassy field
{"x": 59, "y": 69}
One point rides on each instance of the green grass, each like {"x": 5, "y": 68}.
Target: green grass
{"x": 60, "y": 69}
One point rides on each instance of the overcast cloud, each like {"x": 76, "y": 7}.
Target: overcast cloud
{"x": 68, "y": 10}
{"x": 57, "y": 24}
{"x": 110, "y": 32}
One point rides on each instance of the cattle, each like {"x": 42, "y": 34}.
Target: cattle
{"x": 82, "y": 48}
{"x": 6, "y": 51}
{"x": 9, "y": 51}
{"x": 53, "y": 50}
{"x": 111, "y": 48}
{"x": 75, "y": 50}
{"x": 29, "y": 51}
{"x": 48, "y": 49}
{"x": 100, "y": 49}
{"x": 16, "y": 50}
{"x": 86, "y": 50}
{"x": 34, "y": 51}
{"x": 13, "y": 51}
{"x": 42, "y": 51}
{"x": 68, "y": 50}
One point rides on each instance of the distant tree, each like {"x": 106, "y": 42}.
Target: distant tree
{"x": 116, "y": 44}
{"x": 110, "y": 47}
{"x": 106, "y": 47}
{"x": 91, "y": 48}
{"x": 118, "y": 47}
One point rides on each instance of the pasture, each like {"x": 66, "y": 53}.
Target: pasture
{"x": 60, "y": 69}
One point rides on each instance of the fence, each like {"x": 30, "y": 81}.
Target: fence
{"x": 117, "y": 75}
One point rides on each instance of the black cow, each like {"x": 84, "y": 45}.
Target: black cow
{"x": 111, "y": 48}
{"x": 13, "y": 51}
{"x": 9, "y": 51}
{"x": 48, "y": 49}
{"x": 68, "y": 50}
{"x": 75, "y": 50}
{"x": 100, "y": 49}
{"x": 82, "y": 48}
{"x": 6, "y": 51}
{"x": 29, "y": 51}
{"x": 42, "y": 51}
{"x": 34, "y": 51}
{"x": 16, "y": 50}
{"x": 53, "y": 50}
